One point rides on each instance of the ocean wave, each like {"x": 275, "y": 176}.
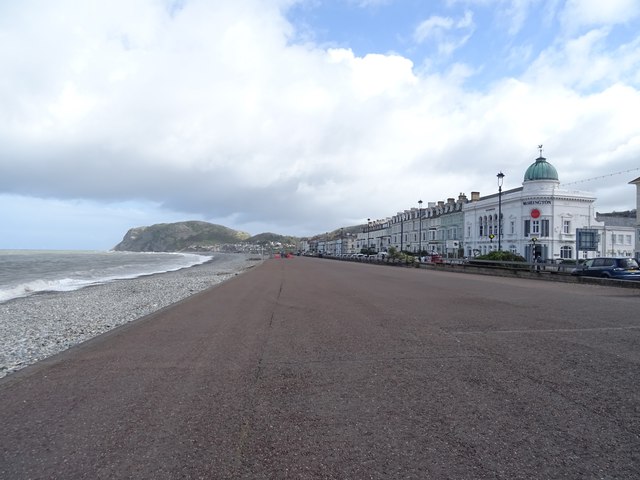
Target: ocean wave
{"x": 95, "y": 276}
{"x": 40, "y": 286}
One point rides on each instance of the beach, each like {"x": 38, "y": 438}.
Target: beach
{"x": 41, "y": 325}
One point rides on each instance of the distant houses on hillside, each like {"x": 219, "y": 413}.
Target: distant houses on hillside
{"x": 541, "y": 219}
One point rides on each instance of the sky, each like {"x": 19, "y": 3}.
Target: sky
{"x": 299, "y": 117}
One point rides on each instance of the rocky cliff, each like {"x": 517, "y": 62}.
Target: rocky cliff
{"x": 175, "y": 237}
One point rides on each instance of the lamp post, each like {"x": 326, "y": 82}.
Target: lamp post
{"x": 368, "y": 230}
{"x": 420, "y": 228}
{"x": 500, "y": 179}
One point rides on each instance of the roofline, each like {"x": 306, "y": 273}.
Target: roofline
{"x": 495, "y": 195}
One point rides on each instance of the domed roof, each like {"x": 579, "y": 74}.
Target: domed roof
{"x": 541, "y": 170}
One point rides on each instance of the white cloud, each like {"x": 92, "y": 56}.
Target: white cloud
{"x": 370, "y": 3}
{"x": 517, "y": 13}
{"x": 586, "y": 64}
{"x": 211, "y": 110}
{"x": 448, "y": 33}
{"x": 374, "y": 74}
{"x": 511, "y": 15}
{"x": 580, "y": 13}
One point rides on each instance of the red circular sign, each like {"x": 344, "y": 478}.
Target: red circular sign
{"x": 535, "y": 213}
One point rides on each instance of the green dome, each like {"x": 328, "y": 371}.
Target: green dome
{"x": 541, "y": 170}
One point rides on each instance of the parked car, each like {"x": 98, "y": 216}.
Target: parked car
{"x": 609, "y": 267}
{"x": 433, "y": 258}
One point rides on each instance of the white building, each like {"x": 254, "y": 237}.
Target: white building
{"x": 636, "y": 182}
{"x": 538, "y": 219}
{"x": 441, "y": 228}
{"x": 374, "y": 236}
{"x": 617, "y": 238}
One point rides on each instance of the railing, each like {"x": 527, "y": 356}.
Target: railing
{"x": 550, "y": 267}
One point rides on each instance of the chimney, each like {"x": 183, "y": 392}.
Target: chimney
{"x": 475, "y": 196}
{"x": 431, "y": 204}
{"x": 450, "y": 200}
{"x": 462, "y": 198}
{"x": 441, "y": 204}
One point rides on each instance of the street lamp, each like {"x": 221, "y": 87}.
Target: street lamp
{"x": 500, "y": 179}
{"x": 420, "y": 228}
{"x": 368, "y": 230}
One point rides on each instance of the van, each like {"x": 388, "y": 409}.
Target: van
{"x": 609, "y": 267}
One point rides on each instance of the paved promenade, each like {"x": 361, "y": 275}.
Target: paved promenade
{"x": 306, "y": 368}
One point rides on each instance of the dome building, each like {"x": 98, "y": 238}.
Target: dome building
{"x": 541, "y": 170}
{"x": 539, "y": 219}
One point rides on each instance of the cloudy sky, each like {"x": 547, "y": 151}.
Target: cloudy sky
{"x": 302, "y": 116}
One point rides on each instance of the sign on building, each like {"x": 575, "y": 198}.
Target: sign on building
{"x": 452, "y": 244}
{"x": 587, "y": 239}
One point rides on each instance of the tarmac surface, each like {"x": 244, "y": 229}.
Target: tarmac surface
{"x": 306, "y": 368}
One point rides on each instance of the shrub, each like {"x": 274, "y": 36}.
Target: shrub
{"x": 502, "y": 256}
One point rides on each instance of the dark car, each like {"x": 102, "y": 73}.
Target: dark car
{"x": 609, "y": 267}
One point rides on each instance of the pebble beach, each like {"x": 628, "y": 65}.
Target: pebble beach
{"x": 36, "y": 327}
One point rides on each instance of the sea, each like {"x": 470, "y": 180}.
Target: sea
{"x": 28, "y": 272}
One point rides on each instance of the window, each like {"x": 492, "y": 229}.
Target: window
{"x": 620, "y": 238}
{"x": 468, "y": 230}
{"x": 566, "y": 227}
{"x": 535, "y": 227}
{"x": 544, "y": 231}
{"x": 603, "y": 262}
{"x": 627, "y": 239}
{"x": 566, "y": 252}
{"x": 512, "y": 227}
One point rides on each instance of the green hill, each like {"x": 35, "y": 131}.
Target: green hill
{"x": 272, "y": 238}
{"x": 175, "y": 237}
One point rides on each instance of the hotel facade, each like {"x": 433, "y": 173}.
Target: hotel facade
{"x": 541, "y": 219}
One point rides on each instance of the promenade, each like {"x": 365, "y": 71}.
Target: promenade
{"x": 305, "y": 368}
